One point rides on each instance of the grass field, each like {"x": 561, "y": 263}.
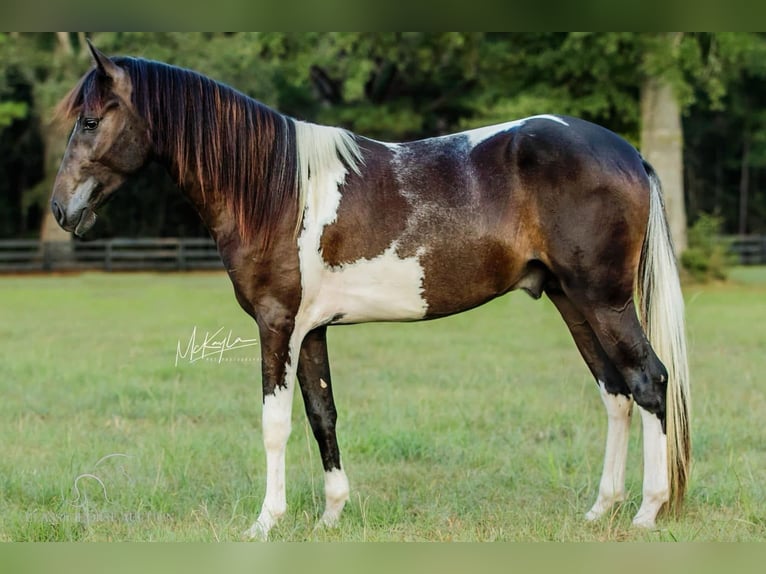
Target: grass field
{"x": 484, "y": 426}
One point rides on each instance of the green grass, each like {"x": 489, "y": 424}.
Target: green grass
{"x": 483, "y": 426}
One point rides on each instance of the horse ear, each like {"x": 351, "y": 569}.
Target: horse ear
{"x": 107, "y": 67}
{"x": 104, "y": 64}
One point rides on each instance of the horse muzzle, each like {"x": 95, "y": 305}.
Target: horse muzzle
{"x": 78, "y": 213}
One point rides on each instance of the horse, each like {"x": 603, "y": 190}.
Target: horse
{"x": 318, "y": 226}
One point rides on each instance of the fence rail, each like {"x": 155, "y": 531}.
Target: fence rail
{"x": 118, "y": 254}
{"x": 750, "y": 249}
{"x": 18, "y": 255}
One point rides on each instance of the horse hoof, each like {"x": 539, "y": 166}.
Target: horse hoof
{"x": 257, "y": 532}
{"x": 644, "y": 522}
{"x": 329, "y": 520}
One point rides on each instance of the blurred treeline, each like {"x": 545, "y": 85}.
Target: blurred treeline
{"x": 398, "y": 86}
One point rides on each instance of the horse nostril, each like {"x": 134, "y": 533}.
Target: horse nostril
{"x": 58, "y": 213}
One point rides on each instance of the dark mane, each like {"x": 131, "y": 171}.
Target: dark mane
{"x": 227, "y": 142}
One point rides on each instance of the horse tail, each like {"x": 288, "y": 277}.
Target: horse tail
{"x": 661, "y": 306}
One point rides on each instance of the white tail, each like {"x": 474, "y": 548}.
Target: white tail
{"x": 661, "y": 306}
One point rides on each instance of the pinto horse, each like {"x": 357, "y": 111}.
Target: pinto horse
{"x": 317, "y": 226}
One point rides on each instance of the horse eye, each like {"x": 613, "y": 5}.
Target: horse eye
{"x": 90, "y": 124}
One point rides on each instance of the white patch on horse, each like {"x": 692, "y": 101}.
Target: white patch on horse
{"x": 336, "y": 494}
{"x": 384, "y": 288}
{"x": 612, "y": 486}
{"x": 318, "y": 148}
{"x": 656, "y": 490}
{"x": 478, "y": 135}
{"x": 276, "y": 423}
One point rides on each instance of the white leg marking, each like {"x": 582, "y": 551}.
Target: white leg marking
{"x": 277, "y": 411}
{"x": 336, "y": 494}
{"x": 656, "y": 490}
{"x": 612, "y": 486}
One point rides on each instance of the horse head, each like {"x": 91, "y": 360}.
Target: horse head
{"x": 109, "y": 142}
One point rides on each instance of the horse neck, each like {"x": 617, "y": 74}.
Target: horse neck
{"x": 252, "y": 203}
{"x": 210, "y": 206}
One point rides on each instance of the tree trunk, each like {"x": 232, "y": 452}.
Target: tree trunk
{"x": 84, "y": 50}
{"x": 64, "y": 43}
{"x": 51, "y": 232}
{"x": 719, "y": 179}
{"x": 662, "y": 146}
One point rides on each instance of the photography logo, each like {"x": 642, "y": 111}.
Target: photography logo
{"x": 215, "y": 347}
{"x": 100, "y": 496}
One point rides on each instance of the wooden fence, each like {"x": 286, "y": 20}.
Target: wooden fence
{"x": 110, "y": 255}
{"x": 18, "y": 255}
{"x": 750, "y": 249}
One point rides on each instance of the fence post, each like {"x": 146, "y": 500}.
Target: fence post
{"x": 181, "y": 256}
{"x": 47, "y": 256}
{"x": 108, "y": 256}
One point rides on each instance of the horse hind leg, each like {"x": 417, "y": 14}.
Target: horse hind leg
{"x": 622, "y": 338}
{"x": 656, "y": 490}
{"x": 316, "y": 388}
{"x": 617, "y": 402}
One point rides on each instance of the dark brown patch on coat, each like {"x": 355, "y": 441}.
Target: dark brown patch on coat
{"x": 591, "y": 206}
{"x": 372, "y": 211}
{"x": 474, "y": 272}
{"x": 467, "y": 222}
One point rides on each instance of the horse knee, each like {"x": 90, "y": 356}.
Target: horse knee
{"x": 276, "y": 421}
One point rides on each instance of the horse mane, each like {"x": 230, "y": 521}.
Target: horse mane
{"x": 229, "y": 143}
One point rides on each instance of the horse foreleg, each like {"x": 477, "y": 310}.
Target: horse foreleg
{"x": 278, "y": 347}
{"x": 316, "y": 388}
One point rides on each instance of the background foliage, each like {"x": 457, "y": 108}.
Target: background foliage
{"x": 396, "y": 86}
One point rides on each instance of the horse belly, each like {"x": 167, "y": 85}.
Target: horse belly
{"x": 385, "y": 288}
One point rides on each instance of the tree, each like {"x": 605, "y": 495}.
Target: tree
{"x": 726, "y": 163}
{"x": 392, "y": 86}
{"x": 397, "y": 86}
{"x": 662, "y": 137}
{"x": 20, "y": 145}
